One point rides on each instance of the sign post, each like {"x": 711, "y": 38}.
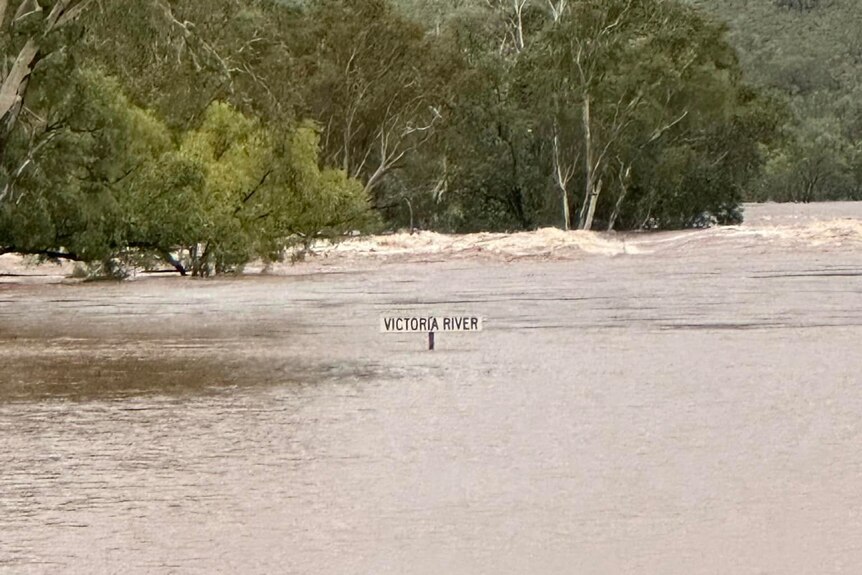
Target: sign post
{"x": 430, "y": 325}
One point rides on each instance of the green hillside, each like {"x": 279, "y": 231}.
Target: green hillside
{"x": 809, "y": 52}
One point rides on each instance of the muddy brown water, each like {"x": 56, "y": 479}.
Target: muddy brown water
{"x": 695, "y": 409}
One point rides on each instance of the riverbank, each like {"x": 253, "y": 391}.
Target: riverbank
{"x": 825, "y": 227}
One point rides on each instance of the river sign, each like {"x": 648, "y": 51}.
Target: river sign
{"x": 429, "y": 324}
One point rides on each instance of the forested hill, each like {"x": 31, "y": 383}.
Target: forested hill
{"x": 810, "y": 52}
{"x": 798, "y": 46}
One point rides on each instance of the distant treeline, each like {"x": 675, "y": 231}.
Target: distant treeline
{"x": 210, "y": 133}
{"x": 809, "y": 54}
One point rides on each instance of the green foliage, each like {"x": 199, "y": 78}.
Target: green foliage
{"x": 89, "y": 142}
{"x": 808, "y": 53}
{"x": 497, "y": 169}
{"x": 233, "y": 191}
{"x": 371, "y": 81}
{"x": 178, "y": 57}
{"x": 309, "y": 202}
{"x": 110, "y": 179}
{"x": 673, "y": 137}
{"x": 234, "y": 154}
{"x": 209, "y": 134}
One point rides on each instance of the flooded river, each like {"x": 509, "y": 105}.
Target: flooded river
{"x": 693, "y": 406}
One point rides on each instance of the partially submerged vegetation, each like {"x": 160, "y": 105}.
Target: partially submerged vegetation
{"x": 206, "y": 135}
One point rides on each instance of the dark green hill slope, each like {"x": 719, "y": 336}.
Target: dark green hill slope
{"x": 809, "y": 52}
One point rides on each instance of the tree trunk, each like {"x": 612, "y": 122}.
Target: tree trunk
{"x": 590, "y": 195}
{"x": 564, "y": 197}
{"x": 166, "y": 255}
{"x": 14, "y": 87}
{"x": 591, "y": 209}
{"x": 625, "y": 172}
{"x": 593, "y": 182}
{"x": 557, "y": 9}
{"x": 516, "y": 197}
{"x": 519, "y": 25}
{"x": 562, "y": 180}
{"x": 516, "y": 200}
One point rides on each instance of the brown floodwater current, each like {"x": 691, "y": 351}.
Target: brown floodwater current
{"x": 695, "y": 407}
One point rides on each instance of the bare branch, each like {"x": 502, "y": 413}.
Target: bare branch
{"x": 616, "y": 23}
{"x": 64, "y": 12}
{"x": 659, "y": 132}
{"x": 558, "y": 8}
{"x": 26, "y": 8}
{"x": 71, "y": 14}
{"x": 14, "y": 85}
{"x": 188, "y": 33}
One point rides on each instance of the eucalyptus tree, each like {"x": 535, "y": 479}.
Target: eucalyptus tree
{"x": 68, "y": 203}
{"x": 369, "y": 83}
{"x": 493, "y": 168}
{"x": 621, "y": 82}
{"x": 29, "y": 34}
{"x": 178, "y": 57}
{"x": 588, "y": 58}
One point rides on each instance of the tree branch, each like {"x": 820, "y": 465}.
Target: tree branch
{"x": 50, "y": 254}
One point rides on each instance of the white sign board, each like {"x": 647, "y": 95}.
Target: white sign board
{"x": 429, "y": 324}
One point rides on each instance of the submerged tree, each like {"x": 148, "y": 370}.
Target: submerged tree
{"x": 66, "y": 203}
{"x": 114, "y": 183}
{"x": 623, "y": 81}
{"x": 234, "y": 191}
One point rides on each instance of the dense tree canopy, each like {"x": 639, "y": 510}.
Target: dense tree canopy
{"x": 808, "y": 53}
{"x": 209, "y": 134}
{"x": 630, "y": 114}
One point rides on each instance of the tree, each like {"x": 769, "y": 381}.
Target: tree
{"x": 29, "y": 33}
{"x": 234, "y": 190}
{"x": 620, "y": 82}
{"x": 207, "y": 134}
{"x": 806, "y": 52}
{"x": 178, "y": 57}
{"x": 113, "y": 186}
{"x": 67, "y": 202}
{"x": 593, "y": 52}
{"x": 493, "y": 166}
{"x": 307, "y": 202}
{"x": 369, "y": 85}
